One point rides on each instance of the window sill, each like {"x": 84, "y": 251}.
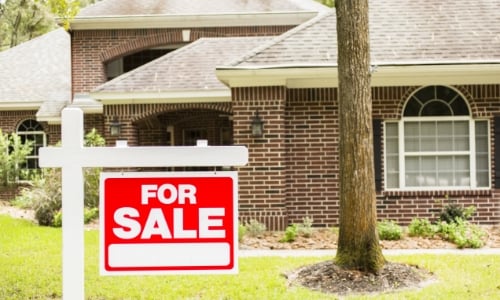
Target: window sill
{"x": 438, "y": 193}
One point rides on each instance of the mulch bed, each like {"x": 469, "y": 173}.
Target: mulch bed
{"x": 327, "y": 277}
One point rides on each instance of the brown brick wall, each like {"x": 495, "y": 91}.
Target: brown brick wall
{"x": 262, "y": 183}
{"x": 308, "y": 153}
{"x": 312, "y": 157}
{"x": 9, "y": 120}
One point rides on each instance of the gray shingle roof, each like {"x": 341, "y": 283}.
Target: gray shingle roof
{"x": 197, "y": 7}
{"x": 37, "y": 71}
{"x": 189, "y": 68}
{"x": 401, "y": 32}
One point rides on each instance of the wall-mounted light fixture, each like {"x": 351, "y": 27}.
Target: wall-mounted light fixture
{"x": 115, "y": 127}
{"x": 257, "y": 125}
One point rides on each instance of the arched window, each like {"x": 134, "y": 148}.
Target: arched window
{"x": 437, "y": 144}
{"x": 31, "y": 130}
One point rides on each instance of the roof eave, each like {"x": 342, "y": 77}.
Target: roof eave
{"x": 326, "y": 75}
{"x": 20, "y": 105}
{"x": 191, "y": 21}
{"x": 181, "y": 96}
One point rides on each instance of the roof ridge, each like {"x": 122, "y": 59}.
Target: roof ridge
{"x": 280, "y": 38}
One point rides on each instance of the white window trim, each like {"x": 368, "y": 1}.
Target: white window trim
{"x": 471, "y": 153}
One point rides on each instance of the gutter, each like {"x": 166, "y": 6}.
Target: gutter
{"x": 180, "y": 96}
{"x": 191, "y": 21}
{"x": 326, "y": 75}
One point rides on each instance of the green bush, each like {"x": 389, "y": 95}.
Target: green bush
{"x": 422, "y": 227}
{"x": 44, "y": 196}
{"x": 389, "y": 230}
{"x": 305, "y": 229}
{"x": 13, "y": 153}
{"x": 462, "y": 233}
{"x": 242, "y": 230}
{"x": 452, "y": 212}
{"x": 255, "y": 228}
{"x": 290, "y": 234}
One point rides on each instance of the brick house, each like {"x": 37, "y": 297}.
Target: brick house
{"x": 170, "y": 74}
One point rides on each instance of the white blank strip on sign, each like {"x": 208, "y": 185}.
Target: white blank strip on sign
{"x": 172, "y": 255}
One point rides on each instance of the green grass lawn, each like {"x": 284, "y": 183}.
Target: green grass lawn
{"x": 30, "y": 268}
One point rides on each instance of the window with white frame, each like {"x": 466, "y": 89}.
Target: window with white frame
{"x": 437, "y": 144}
{"x": 31, "y": 130}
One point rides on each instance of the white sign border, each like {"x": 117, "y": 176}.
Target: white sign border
{"x": 197, "y": 174}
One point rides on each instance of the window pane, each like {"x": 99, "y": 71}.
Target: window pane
{"x": 392, "y": 155}
{"x": 482, "y": 154}
{"x": 412, "y": 136}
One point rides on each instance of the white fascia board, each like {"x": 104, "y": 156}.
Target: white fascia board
{"x": 5, "y": 106}
{"x": 292, "y": 77}
{"x": 191, "y": 21}
{"x": 326, "y": 75}
{"x": 50, "y": 120}
{"x": 194, "y": 96}
{"x": 453, "y": 74}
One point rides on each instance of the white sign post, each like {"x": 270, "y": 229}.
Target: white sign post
{"x": 72, "y": 156}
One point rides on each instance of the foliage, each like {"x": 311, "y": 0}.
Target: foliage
{"x": 422, "y": 227}
{"x": 65, "y": 10}
{"x": 242, "y": 230}
{"x": 22, "y": 20}
{"x": 389, "y": 230}
{"x": 462, "y": 233}
{"x": 290, "y": 234}
{"x": 13, "y": 154}
{"x": 305, "y": 229}
{"x": 255, "y": 228}
{"x": 44, "y": 196}
{"x": 452, "y": 212}
{"x": 92, "y": 175}
{"x": 329, "y": 3}
{"x": 459, "y": 231}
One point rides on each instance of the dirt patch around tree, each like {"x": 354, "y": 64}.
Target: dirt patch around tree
{"x": 326, "y": 277}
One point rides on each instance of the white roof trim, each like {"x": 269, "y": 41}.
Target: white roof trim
{"x": 326, "y": 75}
{"x": 20, "y": 105}
{"x": 191, "y": 96}
{"x": 191, "y": 21}
{"x": 87, "y": 104}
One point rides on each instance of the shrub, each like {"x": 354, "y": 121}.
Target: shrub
{"x": 290, "y": 234}
{"x": 452, "y": 212}
{"x": 44, "y": 196}
{"x": 242, "y": 230}
{"x": 462, "y": 233}
{"x": 389, "y": 230}
{"x": 255, "y": 228}
{"x": 13, "y": 153}
{"x": 422, "y": 227}
{"x": 305, "y": 229}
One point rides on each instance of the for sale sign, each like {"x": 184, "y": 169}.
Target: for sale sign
{"x": 168, "y": 223}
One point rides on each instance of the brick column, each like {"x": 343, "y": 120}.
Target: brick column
{"x": 262, "y": 183}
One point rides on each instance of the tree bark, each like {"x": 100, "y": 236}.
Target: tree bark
{"x": 358, "y": 244}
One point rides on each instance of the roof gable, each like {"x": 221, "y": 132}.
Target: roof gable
{"x": 36, "y": 72}
{"x": 186, "y": 72}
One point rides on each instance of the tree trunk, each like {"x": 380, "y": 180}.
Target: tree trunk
{"x": 358, "y": 244}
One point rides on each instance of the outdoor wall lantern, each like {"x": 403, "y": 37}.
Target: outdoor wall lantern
{"x": 115, "y": 127}
{"x": 257, "y": 125}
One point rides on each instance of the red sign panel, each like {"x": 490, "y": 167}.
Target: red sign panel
{"x": 162, "y": 223}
